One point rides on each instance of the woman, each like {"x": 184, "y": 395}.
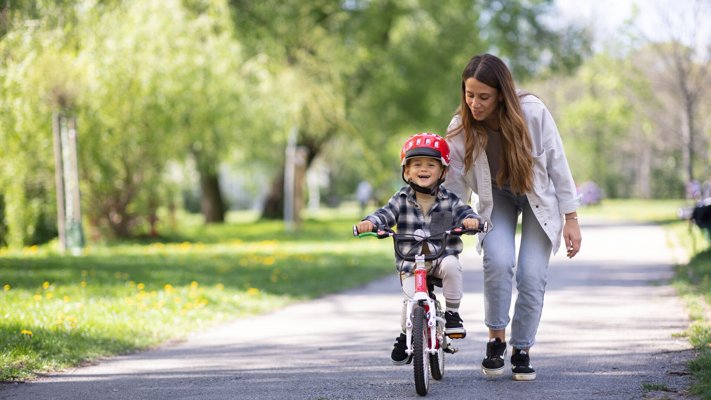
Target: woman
{"x": 506, "y": 148}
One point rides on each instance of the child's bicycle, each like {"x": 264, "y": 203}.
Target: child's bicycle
{"x": 425, "y": 326}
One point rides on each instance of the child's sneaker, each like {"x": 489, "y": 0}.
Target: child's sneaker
{"x": 399, "y": 354}
{"x": 521, "y": 366}
{"x": 493, "y": 364}
{"x": 454, "y": 327}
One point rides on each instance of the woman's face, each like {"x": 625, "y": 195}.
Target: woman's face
{"x": 482, "y": 101}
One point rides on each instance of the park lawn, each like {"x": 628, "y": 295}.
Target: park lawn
{"x": 61, "y": 311}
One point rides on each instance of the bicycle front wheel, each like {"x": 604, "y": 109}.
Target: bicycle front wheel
{"x": 437, "y": 362}
{"x": 421, "y": 354}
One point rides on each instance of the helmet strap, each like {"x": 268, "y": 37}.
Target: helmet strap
{"x": 430, "y": 191}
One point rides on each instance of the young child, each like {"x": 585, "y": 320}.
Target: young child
{"x": 424, "y": 205}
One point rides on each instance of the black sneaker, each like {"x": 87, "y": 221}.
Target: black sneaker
{"x": 521, "y": 366}
{"x": 453, "y": 326}
{"x": 399, "y": 354}
{"x": 493, "y": 364}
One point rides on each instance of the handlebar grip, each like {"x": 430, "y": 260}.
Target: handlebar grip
{"x": 460, "y": 230}
{"x": 380, "y": 232}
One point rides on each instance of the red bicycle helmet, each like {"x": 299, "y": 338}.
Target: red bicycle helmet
{"x": 425, "y": 145}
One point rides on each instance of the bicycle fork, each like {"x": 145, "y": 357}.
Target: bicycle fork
{"x": 422, "y": 298}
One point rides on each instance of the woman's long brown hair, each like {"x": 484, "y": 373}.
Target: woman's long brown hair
{"x": 517, "y": 160}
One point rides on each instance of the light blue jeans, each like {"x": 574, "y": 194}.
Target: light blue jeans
{"x": 500, "y": 263}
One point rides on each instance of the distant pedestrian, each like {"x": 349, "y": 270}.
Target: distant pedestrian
{"x": 363, "y": 193}
{"x": 506, "y": 147}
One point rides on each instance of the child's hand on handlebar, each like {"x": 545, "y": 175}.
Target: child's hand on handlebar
{"x": 365, "y": 226}
{"x": 471, "y": 223}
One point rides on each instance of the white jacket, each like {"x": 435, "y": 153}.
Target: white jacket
{"x": 554, "y": 193}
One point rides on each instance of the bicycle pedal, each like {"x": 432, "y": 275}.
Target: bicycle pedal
{"x": 451, "y": 350}
{"x": 456, "y": 335}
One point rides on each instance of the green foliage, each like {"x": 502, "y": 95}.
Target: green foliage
{"x": 195, "y": 83}
{"x": 366, "y": 75}
{"x": 58, "y": 311}
{"x": 148, "y": 81}
{"x": 616, "y": 130}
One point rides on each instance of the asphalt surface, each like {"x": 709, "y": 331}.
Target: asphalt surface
{"x": 609, "y": 331}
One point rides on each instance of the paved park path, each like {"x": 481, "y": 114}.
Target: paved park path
{"x": 608, "y": 332}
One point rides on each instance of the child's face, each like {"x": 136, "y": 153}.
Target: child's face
{"x": 423, "y": 171}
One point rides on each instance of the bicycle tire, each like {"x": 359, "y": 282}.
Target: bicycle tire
{"x": 420, "y": 352}
{"x": 437, "y": 359}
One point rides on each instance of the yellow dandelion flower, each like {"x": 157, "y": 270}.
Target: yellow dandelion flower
{"x": 49, "y": 295}
{"x": 82, "y": 284}
{"x": 193, "y": 285}
{"x": 38, "y": 297}
{"x": 140, "y": 286}
{"x": 6, "y": 287}
{"x": 26, "y": 332}
{"x": 66, "y": 299}
{"x": 168, "y": 288}
{"x": 269, "y": 260}
{"x": 252, "y": 291}
{"x": 45, "y": 285}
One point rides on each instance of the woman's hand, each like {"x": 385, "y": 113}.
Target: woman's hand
{"x": 571, "y": 235}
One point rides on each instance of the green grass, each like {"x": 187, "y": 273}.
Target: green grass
{"x": 60, "y": 311}
{"x": 640, "y": 211}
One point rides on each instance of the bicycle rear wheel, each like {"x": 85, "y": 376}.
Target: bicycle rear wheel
{"x": 420, "y": 351}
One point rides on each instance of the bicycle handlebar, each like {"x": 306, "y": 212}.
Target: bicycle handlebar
{"x": 382, "y": 232}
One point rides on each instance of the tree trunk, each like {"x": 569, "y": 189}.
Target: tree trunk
{"x": 274, "y": 203}
{"x": 212, "y": 204}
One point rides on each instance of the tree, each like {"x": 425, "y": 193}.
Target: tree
{"x": 379, "y": 70}
{"x": 685, "y": 72}
{"x": 36, "y": 74}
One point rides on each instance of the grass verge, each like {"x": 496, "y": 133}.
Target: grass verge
{"x": 61, "y": 311}
{"x": 694, "y": 283}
